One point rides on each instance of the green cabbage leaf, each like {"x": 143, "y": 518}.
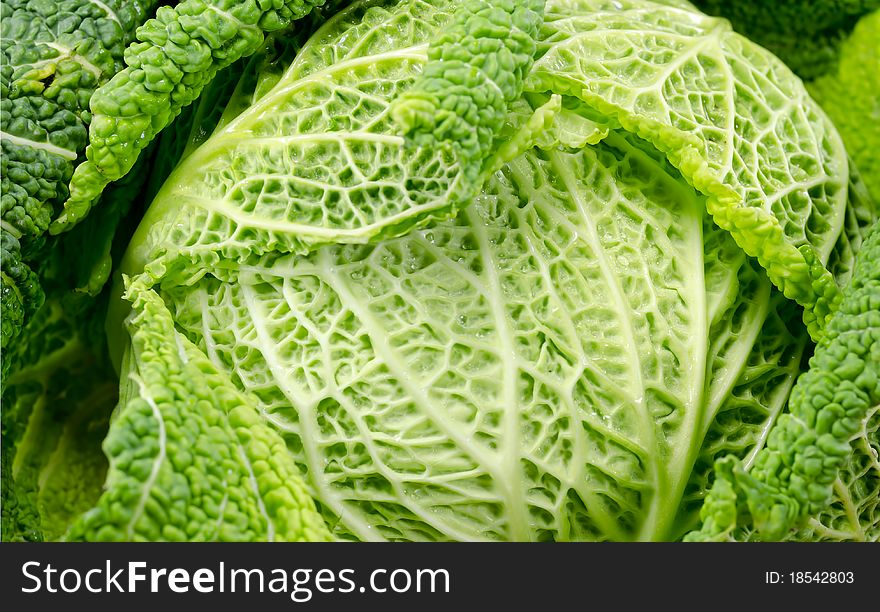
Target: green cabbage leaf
{"x": 558, "y": 349}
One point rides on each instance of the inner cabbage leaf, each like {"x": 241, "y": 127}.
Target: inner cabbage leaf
{"x": 545, "y": 365}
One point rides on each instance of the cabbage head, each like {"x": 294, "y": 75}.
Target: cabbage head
{"x": 553, "y": 344}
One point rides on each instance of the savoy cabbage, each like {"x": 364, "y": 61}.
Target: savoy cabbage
{"x": 482, "y": 270}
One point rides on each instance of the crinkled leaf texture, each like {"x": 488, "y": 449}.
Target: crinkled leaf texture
{"x": 52, "y": 57}
{"x": 854, "y": 511}
{"x": 732, "y": 117}
{"x": 559, "y": 356}
{"x": 533, "y": 369}
{"x": 818, "y": 472}
{"x": 190, "y": 457}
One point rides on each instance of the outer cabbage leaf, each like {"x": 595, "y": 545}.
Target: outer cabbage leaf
{"x": 177, "y": 55}
{"x": 474, "y": 72}
{"x": 733, "y": 118}
{"x": 315, "y": 160}
{"x": 853, "y": 513}
{"x": 808, "y": 476}
{"x": 58, "y": 385}
{"x": 190, "y": 458}
{"x": 52, "y": 57}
